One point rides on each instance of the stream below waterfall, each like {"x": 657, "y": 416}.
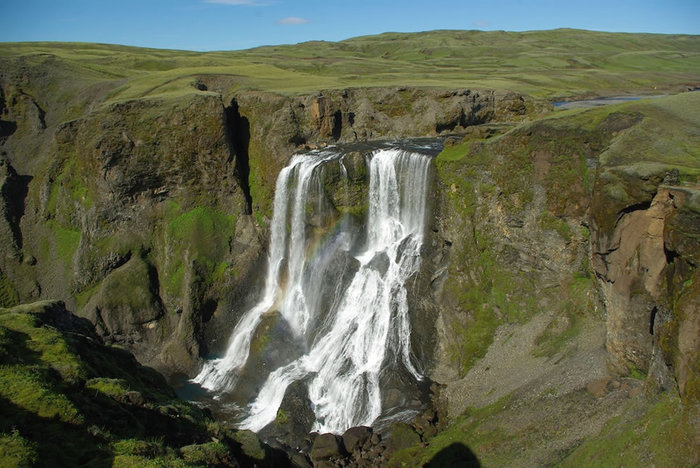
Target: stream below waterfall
{"x": 328, "y": 341}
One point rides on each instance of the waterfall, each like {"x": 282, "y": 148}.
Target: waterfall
{"x": 353, "y": 327}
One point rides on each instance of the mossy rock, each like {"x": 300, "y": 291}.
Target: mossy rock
{"x": 126, "y": 300}
{"x": 250, "y": 444}
{"x": 402, "y": 436}
{"x": 209, "y": 454}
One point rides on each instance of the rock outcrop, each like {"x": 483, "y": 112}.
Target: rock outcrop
{"x": 281, "y": 125}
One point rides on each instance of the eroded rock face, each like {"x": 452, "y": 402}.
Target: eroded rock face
{"x": 132, "y": 208}
{"x": 646, "y": 265}
{"x": 546, "y": 219}
{"x": 630, "y": 264}
{"x": 282, "y": 125}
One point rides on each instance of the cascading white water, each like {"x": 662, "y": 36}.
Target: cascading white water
{"x": 221, "y": 374}
{"x": 366, "y": 329}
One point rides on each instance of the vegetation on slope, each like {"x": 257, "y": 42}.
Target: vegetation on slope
{"x": 68, "y": 400}
{"x": 554, "y": 63}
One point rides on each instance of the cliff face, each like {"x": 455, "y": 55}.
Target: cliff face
{"x": 148, "y": 215}
{"x": 646, "y": 263}
{"x": 570, "y": 217}
{"x": 276, "y": 126}
{"x": 564, "y": 264}
{"x": 130, "y": 217}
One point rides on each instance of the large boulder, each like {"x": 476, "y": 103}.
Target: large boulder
{"x": 325, "y": 446}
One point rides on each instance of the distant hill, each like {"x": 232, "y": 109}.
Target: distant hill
{"x": 552, "y": 64}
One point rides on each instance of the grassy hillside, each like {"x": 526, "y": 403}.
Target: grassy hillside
{"x": 68, "y": 400}
{"x": 556, "y": 63}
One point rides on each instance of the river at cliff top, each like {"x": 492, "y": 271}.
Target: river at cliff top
{"x": 600, "y": 101}
{"x": 328, "y": 344}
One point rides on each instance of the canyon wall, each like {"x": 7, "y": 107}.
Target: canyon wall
{"x": 149, "y": 216}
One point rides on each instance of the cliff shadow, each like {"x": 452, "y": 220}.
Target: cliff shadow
{"x": 239, "y": 133}
{"x": 454, "y": 455}
{"x": 13, "y": 194}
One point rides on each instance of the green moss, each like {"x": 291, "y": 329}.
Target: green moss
{"x": 138, "y": 447}
{"x": 403, "y": 436}
{"x": 261, "y": 189}
{"x": 82, "y": 297}
{"x": 221, "y": 271}
{"x": 202, "y": 236}
{"x": 209, "y": 454}
{"x": 282, "y": 417}
{"x": 250, "y": 444}
{"x": 259, "y": 219}
{"x": 549, "y": 222}
{"x": 66, "y": 239}
{"x": 637, "y": 374}
{"x": 68, "y": 188}
{"x": 663, "y": 434}
{"x": 135, "y": 277}
{"x": 175, "y": 281}
{"x": 499, "y": 295}
{"x": 16, "y": 451}
{"x": 9, "y": 297}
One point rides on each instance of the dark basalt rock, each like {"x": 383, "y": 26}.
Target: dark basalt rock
{"x": 326, "y": 446}
{"x": 356, "y": 437}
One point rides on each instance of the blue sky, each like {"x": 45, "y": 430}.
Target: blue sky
{"x": 240, "y": 24}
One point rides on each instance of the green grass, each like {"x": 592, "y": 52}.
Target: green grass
{"x": 16, "y": 451}
{"x": 465, "y": 430}
{"x": 113, "y": 388}
{"x": 560, "y": 62}
{"x": 50, "y": 348}
{"x": 67, "y": 399}
{"x": 454, "y": 153}
{"x": 31, "y": 390}
{"x": 663, "y": 434}
{"x": 656, "y": 433}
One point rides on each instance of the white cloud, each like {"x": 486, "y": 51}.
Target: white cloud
{"x": 481, "y": 23}
{"x": 293, "y": 20}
